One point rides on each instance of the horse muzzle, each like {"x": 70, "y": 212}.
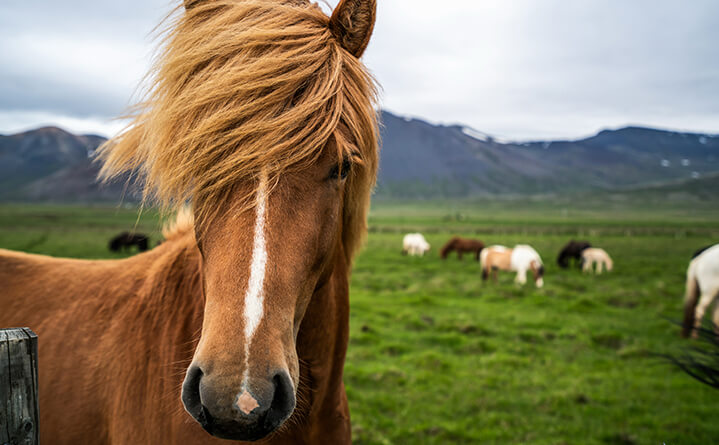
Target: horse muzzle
{"x": 250, "y": 414}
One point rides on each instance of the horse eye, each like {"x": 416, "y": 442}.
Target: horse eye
{"x": 341, "y": 171}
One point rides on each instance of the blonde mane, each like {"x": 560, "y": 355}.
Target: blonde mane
{"x": 243, "y": 87}
{"x": 182, "y": 223}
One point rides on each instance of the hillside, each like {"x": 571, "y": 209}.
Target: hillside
{"x": 418, "y": 161}
{"x": 424, "y": 160}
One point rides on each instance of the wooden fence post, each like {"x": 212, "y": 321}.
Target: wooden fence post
{"x": 18, "y": 387}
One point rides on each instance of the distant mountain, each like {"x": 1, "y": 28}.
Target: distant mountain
{"x": 37, "y": 153}
{"x": 50, "y": 164}
{"x": 418, "y": 160}
{"x": 421, "y": 160}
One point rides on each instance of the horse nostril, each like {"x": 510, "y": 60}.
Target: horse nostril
{"x": 191, "y": 394}
{"x": 283, "y": 401}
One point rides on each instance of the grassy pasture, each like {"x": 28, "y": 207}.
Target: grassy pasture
{"x": 438, "y": 357}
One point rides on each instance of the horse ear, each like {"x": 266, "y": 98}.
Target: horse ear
{"x": 352, "y": 23}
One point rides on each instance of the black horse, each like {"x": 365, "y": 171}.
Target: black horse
{"x": 573, "y": 249}
{"x": 125, "y": 240}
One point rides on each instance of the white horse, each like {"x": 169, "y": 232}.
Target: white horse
{"x": 701, "y": 290}
{"x": 595, "y": 255}
{"x": 414, "y": 244}
{"x": 521, "y": 258}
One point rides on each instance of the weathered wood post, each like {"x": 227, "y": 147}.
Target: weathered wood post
{"x": 18, "y": 387}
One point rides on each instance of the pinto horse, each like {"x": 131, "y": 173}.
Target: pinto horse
{"x": 263, "y": 118}
{"x": 462, "y": 245}
{"x": 702, "y": 289}
{"x": 521, "y": 259}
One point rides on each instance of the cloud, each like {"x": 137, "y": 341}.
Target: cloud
{"x": 522, "y": 69}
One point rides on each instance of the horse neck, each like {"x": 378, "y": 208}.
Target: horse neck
{"x": 170, "y": 301}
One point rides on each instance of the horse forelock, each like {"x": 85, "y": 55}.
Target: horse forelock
{"x": 241, "y": 88}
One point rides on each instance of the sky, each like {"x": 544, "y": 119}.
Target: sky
{"x": 520, "y": 69}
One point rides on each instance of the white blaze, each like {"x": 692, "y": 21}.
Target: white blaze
{"x": 254, "y": 297}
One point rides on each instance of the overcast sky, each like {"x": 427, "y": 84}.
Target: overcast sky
{"x": 520, "y": 69}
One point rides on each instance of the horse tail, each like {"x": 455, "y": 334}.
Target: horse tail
{"x": 609, "y": 263}
{"x": 691, "y": 298}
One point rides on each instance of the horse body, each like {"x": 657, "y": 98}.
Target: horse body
{"x": 262, "y": 117}
{"x": 414, "y": 244}
{"x": 702, "y": 288}
{"x": 521, "y": 259}
{"x": 462, "y": 245}
{"x": 594, "y": 256}
{"x": 572, "y": 250}
{"x": 118, "y": 378}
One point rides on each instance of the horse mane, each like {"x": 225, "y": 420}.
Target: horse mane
{"x": 178, "y": 226}
{"x": 244, "y": 88}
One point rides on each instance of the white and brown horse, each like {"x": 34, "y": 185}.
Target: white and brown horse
{"x": 521, "y": 259}
{"x": 702, "y": 289}
{"x": 596, "y": 260}
{"x": 262, "y": 116}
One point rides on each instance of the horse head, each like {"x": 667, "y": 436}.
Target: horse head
{"x": 263, "y": 117}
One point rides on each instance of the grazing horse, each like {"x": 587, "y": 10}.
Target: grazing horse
{"x": 414, "y": 244}
{"x": 702, "y": 289}
{"x": 263, "y": 118}
{"x": 572, "y": 250}
{"x": 125, "y": 240}
{"x": 594, "y": 256}
{"x": 521, "y": 258}
{"x": 462, "y": 245}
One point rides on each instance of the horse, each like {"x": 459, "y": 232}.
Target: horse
{"x": 573, "y": 249}
{"x": 521, "y": 258}
{"x": 595, "y": 256}
{"x": 702, "y": 288}
{"x": 125, "y": 240}
{"x": 414, "y": 244}
{"x": 263, "y": 119}
{"x": 462, "y": 245}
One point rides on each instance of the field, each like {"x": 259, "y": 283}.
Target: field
{"x": 438, "y": 357}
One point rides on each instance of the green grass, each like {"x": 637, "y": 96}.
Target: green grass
{"x": 438, "y": 357}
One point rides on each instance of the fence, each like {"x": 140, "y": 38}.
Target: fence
{"x": 18, "y": 387}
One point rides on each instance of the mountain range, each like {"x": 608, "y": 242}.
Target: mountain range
{"x": 419, "y": 160}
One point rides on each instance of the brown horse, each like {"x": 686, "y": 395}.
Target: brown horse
{"x": 462, "y": 245}
{"x": 263, "y": 117}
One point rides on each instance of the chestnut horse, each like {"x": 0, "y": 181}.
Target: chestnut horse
{"x": 263, "y": 118}
{"x": 462, "y": 245}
